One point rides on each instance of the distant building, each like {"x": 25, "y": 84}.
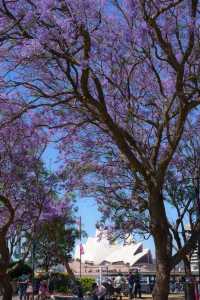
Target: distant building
{"x": 98, "y": 250}
{"x": 20, "y": 247}
{"x": 194, "y": 259}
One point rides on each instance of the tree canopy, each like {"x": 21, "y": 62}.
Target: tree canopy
{"x": 117, "y": 82}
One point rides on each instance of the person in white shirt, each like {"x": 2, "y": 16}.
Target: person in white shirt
{"x": 118, "y": 285}
{"x": 98, "y": 291}
{"x": 101, "y": 293}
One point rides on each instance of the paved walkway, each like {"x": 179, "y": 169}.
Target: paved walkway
{"x": 145, "y": 297}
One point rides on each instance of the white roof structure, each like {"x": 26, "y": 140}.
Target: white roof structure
{"x": 98, "y": 250}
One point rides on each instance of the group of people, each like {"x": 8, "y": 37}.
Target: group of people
{"x": 117, "y": 287}
{"x": 26, "y": 288}
{"x": 134, "y": 286}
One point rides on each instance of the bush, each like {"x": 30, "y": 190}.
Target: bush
{"x": 86, "y": 283}
{"x": 17, "y": 269}
{"x": 62, "y": 289}
{"x": 61, "y": 282}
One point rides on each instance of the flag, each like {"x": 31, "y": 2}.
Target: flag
{"x": 81, "y": 249}
{"x": 77, "y": 221}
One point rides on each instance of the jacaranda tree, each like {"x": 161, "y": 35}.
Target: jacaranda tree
{"x": 27, "y": 192}
{"x": 118, "y": 76}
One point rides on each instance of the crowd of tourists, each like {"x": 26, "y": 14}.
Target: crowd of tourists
{"x": 111, "y": 288}
{"x": 115, "y": 287}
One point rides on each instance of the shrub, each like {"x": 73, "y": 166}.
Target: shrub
{"x": 61, "y": 282}
{"x": 62, "y": 289}
{"x": 17, "y": 269}
{"x": 86, "y": 283}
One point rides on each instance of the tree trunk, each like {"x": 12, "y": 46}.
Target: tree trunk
{"x": 161, "y": 288}
{"x": 4, "y": 265}
{"x": 46, "y": 263}
{"x": 6, "y": 287}
{"x": 163, "y": 244}
{"x": 69, "y": 271}
{"x": 189, "y": 288}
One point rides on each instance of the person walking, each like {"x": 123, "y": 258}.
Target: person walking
{"x": 79, "y": 290}
{"x": 109, "y": 288}
{"x": 98, "y": 291}
{"x": 118, "y": 284}
{"x": 137, "y": 285}
{"x": 52, "y": 282}
{"x": 43, "y": 291}
{"x": 23, "y": 285}
{"x": 94, "y": 291}
{"x": 130, "y": 284}
{"x": 102, "y": 291}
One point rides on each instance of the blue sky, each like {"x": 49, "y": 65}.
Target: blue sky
{"x": 89, "y": 214}
{"x": 87, "y": 208}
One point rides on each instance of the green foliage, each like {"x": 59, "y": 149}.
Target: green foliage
{"x": 62, "y": 279}
{"x": 55, "y": 242}
{"x": 62, "y": 283}
{"x": 17, "y": 269}
{"x": 62, "y": 289}
{"x": 86, "y": 283}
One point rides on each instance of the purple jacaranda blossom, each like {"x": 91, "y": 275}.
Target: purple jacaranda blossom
{"x": 118, "y": 119}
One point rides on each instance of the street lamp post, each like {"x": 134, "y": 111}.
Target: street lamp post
{"x": 33, "y": 262}
{"x": 80, "y": 236}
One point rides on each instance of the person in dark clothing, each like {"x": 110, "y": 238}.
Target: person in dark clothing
{"x": 152, "y": 283}
{"x": 94, "y": 291}
{"x": 79, "y": 290}
{"x": 130, "y": 284}
{"x": 52, "y": 282}
{"x": 109, "y": 288}
{"x": 36, "y": 286}
{"x": 137, "y": 290}
{"x": 23, "y": 285}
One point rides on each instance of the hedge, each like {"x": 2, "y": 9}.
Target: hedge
{"x": 86, "y": 283}
{"x": 17, "y": 269}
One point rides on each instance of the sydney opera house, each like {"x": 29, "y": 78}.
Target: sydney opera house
{"x": 98, "y": 250}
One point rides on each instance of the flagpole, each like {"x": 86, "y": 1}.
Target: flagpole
{"x": 80, "y": 243}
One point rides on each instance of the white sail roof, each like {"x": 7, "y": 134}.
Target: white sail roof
{"x": 124, "y": 253}
{"x": 97, "y": 250}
